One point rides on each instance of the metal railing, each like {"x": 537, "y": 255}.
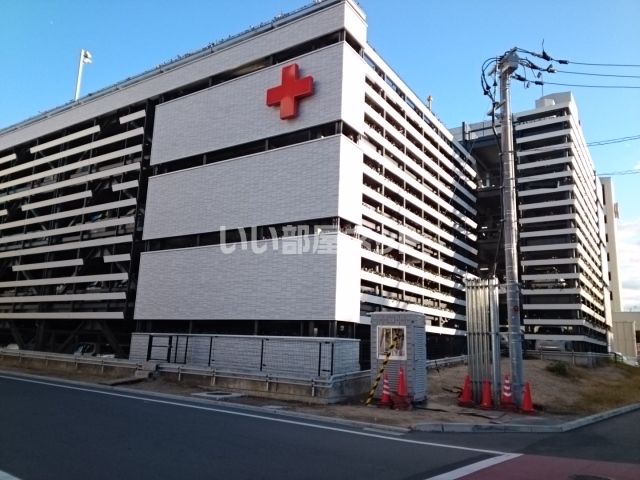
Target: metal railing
{"x": 168, "y": 352}
{"x": 175, "y": 349}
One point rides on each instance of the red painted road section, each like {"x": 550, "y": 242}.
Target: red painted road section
{"x": 536, "y": 467}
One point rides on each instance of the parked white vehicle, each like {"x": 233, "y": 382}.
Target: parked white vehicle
{"x": 553, "y": 343}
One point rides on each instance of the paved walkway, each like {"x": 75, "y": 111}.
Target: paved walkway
{"x": 536, "y": 467}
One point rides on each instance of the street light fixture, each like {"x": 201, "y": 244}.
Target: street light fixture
{"x": 85, "y": 57}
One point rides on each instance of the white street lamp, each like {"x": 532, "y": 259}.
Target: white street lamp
{"x": 85, "y": 57}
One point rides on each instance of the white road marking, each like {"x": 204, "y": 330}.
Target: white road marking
{"x": 6, "y": 476}
{"x": 251, "y": 415}
{"x": 475, "y": 467}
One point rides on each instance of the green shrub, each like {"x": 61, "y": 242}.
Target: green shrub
{"x": 558, "y": 368}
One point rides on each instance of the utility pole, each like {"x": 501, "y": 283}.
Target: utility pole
{"x": 507, "y": 64}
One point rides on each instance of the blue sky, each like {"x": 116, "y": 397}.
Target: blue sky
{"x": 436, "y": 46}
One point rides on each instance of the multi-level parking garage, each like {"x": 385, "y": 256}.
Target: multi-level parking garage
{"x": 562, "y": 244}
{"x": 69, "y": 205}
{"x": 283, "y": 181}
{"x": 418, "y": 198}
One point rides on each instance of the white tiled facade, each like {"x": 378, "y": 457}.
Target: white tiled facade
{"x": 203, "y": 174}
{"x": 562, "y": 241}
{"x": 611, "y": 216}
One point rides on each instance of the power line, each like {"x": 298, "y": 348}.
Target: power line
{"x": 545, "y": 56}
{"x": 540, "y": 82}
{"x": 596, "y": 74}
{"x": 624, "y": 65}
{"x": 621, "y": 172}
{"x": 613, "y": 140}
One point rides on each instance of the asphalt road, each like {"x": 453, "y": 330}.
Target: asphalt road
{"x": 614, "y": 440}
{"x": 57, "y": 430}
{"x": 51, "y": 430}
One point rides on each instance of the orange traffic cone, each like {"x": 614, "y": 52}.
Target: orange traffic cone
{"x": 402, "y": 384}
{"x": 401, "y": 401}
{"x": 385, "y": 401}
{"x": 506, "y": 398}
{"x": 466, "y": 399}
{"x": 527, "y": 403}
{"x": 486, "y": 403}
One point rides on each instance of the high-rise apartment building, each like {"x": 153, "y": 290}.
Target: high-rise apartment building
{"x": 564, "y": 275}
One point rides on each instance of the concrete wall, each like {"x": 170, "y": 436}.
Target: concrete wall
{"x": 299, "y": 357}
{"x": 262, "y": 189}
{"x": 279, "y": 283}
{"x": 611, "y": 212}
{"x": 625, "y": 325}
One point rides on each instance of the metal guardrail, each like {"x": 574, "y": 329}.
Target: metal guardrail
{"x": 575, "y": 357}
{"x": 570, "y": 357}
{"x": 179, "y": 369}
{"x": 446, "y": 362}
{"x": 267, "y": 378}
{"x": 70, "y": 358}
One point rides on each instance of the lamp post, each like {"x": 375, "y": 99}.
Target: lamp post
{"x": 85, "y": 57}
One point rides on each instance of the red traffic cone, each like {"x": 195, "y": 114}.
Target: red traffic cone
{"x": 466, "y": 399}
{"x": 401, "y": 401}
{"x": 385, "y": 401}
{"x": 486, "y": 403}
{"x": 527, "y": 403}
{"x": 402, "y": 384}
{"x": 506, "y": 398}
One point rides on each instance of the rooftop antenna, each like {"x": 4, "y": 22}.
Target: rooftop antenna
{"x": 429, "y": 102}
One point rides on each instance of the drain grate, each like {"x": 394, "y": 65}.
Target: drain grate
{"x": 218, "y": 395}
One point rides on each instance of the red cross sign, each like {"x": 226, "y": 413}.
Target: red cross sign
{"x": 290, "y": 91}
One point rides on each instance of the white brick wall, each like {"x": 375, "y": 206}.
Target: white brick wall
{"x": 301, "y": 357}
{"x": 261, "y": 189}
{"x": 205, "y": 283}
{"x": 236, "y": 112}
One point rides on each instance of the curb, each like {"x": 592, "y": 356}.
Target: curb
{"x": 421, "y": 427}
{"x": 521, "y": 428}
